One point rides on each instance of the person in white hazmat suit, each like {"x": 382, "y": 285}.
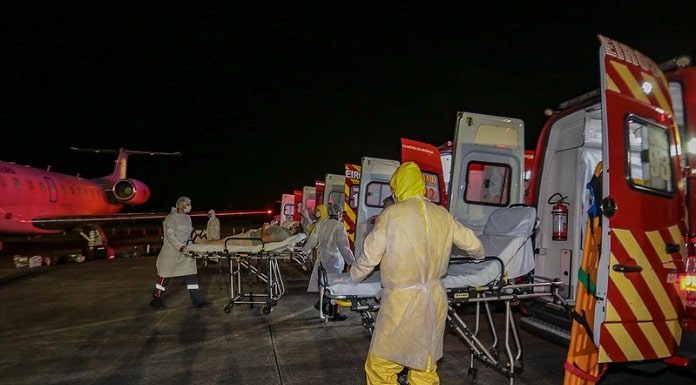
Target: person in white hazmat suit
{"x": 171, "y": 261}
{"x": 412, "y": 242}
{"x": 333, "y": 251}
{"x": 212, "y": 230}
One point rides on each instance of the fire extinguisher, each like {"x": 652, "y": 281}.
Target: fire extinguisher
{"x": 559, "y": 217}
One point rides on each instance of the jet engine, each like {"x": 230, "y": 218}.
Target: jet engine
{"x": 131, "y": 192}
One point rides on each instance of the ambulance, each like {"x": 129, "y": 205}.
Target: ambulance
{"x": 623, "y": 140}
{"x": 634, "y": 142}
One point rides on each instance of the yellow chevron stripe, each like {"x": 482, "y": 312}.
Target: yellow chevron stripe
{"x": 659, "y": 245}
{"x": 634, "y": 250}
{"x": 675, "y": 328}
{"x": 656, "y": 341}
{"x": 624, "y": 341}
{"x": 611, "y": 85}
{"x": 612, "y": 315}
{"x": 661, "y": 99}
{"x": 630, "y": 295}
{"x": 678, "y": 238}
{"x": 630, "y": 81}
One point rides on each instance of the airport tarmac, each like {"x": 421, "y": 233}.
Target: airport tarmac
{"x": 90, "y": 323}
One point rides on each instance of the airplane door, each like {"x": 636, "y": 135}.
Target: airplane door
{"x": 374, "y": 188}
{"x": 636, "y": 313}
{"x": 52, "y": 191}
{"x": 487, "y": 167}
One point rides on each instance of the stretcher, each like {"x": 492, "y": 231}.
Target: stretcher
{"x": 258, "y": 259}
{"x": 510, "y": 258}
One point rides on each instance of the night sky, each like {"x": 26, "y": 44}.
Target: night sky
{"x": 264, "y": 98}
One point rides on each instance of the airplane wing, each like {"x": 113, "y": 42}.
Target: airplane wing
{"x": 68, "y": 222}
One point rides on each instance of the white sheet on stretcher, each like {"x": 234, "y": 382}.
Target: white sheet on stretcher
{"x": 506, "y": 236}
{"x": 237, "y": 244}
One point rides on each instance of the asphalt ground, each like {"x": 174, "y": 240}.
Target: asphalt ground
{"x": 90, "y": 323}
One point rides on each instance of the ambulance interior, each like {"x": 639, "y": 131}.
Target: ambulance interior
{"x": 573, "y": 151}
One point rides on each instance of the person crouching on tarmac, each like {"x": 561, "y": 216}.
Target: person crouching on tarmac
{"x": 171, "y": 261}
{"x": 333, "y": 251}
{"x": 412, "y": 241}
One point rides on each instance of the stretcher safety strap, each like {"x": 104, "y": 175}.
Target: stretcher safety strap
{"x": 587, "y": 282}
{"x": 583, "y": 374}
{"x": 192, "y": 287}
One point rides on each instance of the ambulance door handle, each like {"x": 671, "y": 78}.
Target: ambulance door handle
{"x": 627, "y": 269}
{"x": 608, "y": 207}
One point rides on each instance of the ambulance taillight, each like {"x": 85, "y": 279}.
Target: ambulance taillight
{"x": 688, "y": 285}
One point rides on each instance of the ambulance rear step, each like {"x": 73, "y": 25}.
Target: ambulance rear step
{"x": 545, "y": 330}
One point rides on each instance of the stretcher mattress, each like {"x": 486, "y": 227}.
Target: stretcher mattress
{"x": 458, "y": 275}
{"x": 236, "y": 244}
{"x": 506, "y": 236}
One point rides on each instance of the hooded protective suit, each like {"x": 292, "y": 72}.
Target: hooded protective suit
{"x": 321, "y": 215}
{"x": 412, "y": 240}
{"x": 333, "y": 248}
{"x": 170, "y": 261}
{"x": 212, "y": 230}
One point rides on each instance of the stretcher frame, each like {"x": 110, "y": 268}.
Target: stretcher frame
{"x": 251, "y": 262}
{"x": 498, "y": 290}
{"x": 365, "y": 306}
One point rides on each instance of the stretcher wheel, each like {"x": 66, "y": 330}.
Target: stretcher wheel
{"x": 266, "y": 309}
{"x": 274, "y": 302}
{"x": 473, "y": 375}
{"x": 227, "y": 308}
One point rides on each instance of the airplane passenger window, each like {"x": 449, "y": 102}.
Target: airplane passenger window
{"x": 649, "y": 160}
{"x": 488, "y": 183}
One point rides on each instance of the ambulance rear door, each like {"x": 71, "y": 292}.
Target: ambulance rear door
{"x": 334, "y": 189}
{"x": 487, "y": 168}
{"x": 637, "y": 310}
{"x": 309, "y": 199}
{"x": 374, "y": 188}
{"x": 287, "y": 207}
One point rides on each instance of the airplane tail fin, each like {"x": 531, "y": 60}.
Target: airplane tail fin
{"x": 121, "y": 165}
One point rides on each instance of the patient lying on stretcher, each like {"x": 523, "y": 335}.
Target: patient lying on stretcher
{"x": 270, "y": 232}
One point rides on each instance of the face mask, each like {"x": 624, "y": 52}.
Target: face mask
{"x": 185, "y": 208}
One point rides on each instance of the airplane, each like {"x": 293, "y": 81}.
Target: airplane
{"x": 35, "y": 201}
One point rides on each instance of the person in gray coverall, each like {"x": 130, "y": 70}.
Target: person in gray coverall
{"x": 171, "y": 261}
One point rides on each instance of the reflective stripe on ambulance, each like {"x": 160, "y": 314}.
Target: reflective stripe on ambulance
{"x": 636, "y": 330}
{"x": 642, "y": 308}
{"x": 350, "y": 204}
